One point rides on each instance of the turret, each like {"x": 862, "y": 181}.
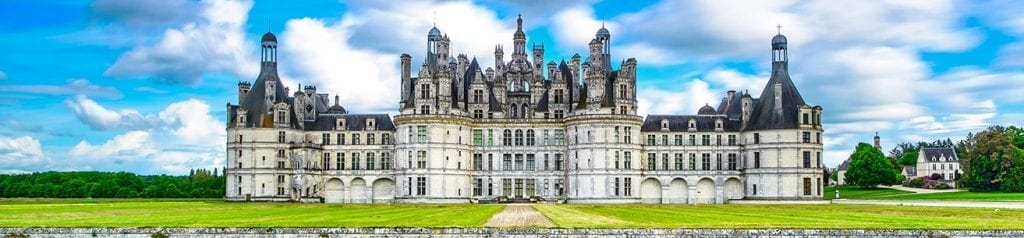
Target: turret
{"x": 878, "y": 141}
{"x": 499, "y": 57}
{"x": 406, "y": 74}
{"x": 747, "y": 107}
{"x": 551, "y": 70}
{"x": 538, "y": 57}
{"x": 243, "y": 90}
{"x": 519, "y": 40}
{"x": 595, "y": 54}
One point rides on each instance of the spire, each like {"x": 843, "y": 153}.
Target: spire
{"x": 780, "y": 28}
{"x": 878, "y": 141}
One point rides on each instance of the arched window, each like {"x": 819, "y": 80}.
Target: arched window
{"x": 519, "y": 137}
{"x": 525, "y": 112}
{"x": 515, "y": 111}
{"x": 507, "y": 137}
{"x": 530, "y": 141}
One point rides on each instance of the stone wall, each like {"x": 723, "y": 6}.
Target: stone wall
{"x": 484, "y": 232}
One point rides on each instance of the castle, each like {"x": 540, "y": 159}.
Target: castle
{"x": 520, "y": 130}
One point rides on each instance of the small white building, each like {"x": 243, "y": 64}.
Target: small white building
{"x": 941, "y": 161}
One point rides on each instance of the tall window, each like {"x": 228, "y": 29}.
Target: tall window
{"x": 385, "y": 139}
{"x": 693, "y": 139}
{"x": 629, "y": 135}
{"x": 478, "y": 137}
{"x": 506, "y": 162}
{"x": 664, "y": 161}
{"x": 807, "y": 137}
{"x": 693, "y": 161}
{"x": 280, "y": 136}
{"x": 340, "y": 139}
{"x": 732, "y": 139}
{"x": 664, "y": 139}
{"x": 559, "y": 137}
{"x": 519, "y": 137}
{"x": 385, "y": 161}
{"x": 325, "y": 139}
{"x": 807, "y": 186}
{"x": 369, "y": 161}
{"x": 732, "y": 161}
{"x": 718, "y": 161}
{"x": 679, "y": 139}
{"x": 652, "y": 161}
{"x": 476, "y": 187}
{"x": 371, "y": 139}
{"x": 355, "y": 161}
{"x": 530, "y": 139}
{"x": 558, "y": 162}
{"x": 519, "y": 162}
{"x": 490, "y": 137}
{"x": 705, "y": 161}
{"x": 615, "y": 186}
{"x": 478, "y": 96}
{"x": 421, "y": 186}
{"x": 622, "y": 91}
{"x": 757, "y": 138}
{"x": 807, "y": 159}
{"x": 627, "y": 188}
{"x": 757, "y": 160}
{"x": 425, "y": 91}
{"x": 421, "y": 134}
{"x": 478, "y": 162}
{"x": 530, "y": 162}
{"x": 559, "y": 96}
{"x": 421, "y": 159}
{"x": 679, "y": 161}
{"x": 705, "y": 140}
{"x": 506, "y": 138}
{"x": 340, "y": 163}
{"x": 818, "y": 155}
{"x": 355, "y": 139}
{"x": 628, "y": 161}
{"x": 650, "y": 139}
{"x": 718, "y": 139}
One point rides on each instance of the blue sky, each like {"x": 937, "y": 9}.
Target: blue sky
{"x": 140, "y": 85}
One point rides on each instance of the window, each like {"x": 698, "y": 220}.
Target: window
{"x": 718, "y": 139}
{"x": 705, "y": 140}
{"x": 807, "y": 186}
{"x": 623, "y": 110}
{"x": 519, "y": 137}
{"x": 757, "y": 138}
{"x": 531, "y": 187}
{"x": 652, "y": 161}
{"x": 506, "y": 138}
{"x": 421, "y": 186}
{"x": 421, "y": 159}
{"x": 679, "y": 161}
{"x": 558, "y": 161}
{"x": 546, "y": 162}
{"x": 547, "y": 138}
{"x": 718, "y": 161}
{"x": 807, "y": 137}
{"x": 705, "y": 161}
{"x": 664, "y": 139}
{"x": 615, "y": 186}
{"x": 421, "y": 134}
{"x": 478, "y": 162}
{"x": 478, "y": 96}
{"x": 506, "y": 187}
{"x": 627, "y": 162}
{"x": 341, "y": 139}
{"x": 559, "y": 114}
{"x": 425, "y": 91}
{"x": 530, "y": 163}
{"x": 424, "y": 109}
{"x": 519, "y": 162}
{"x": 355, "y": 139}
{"x": 506, "y": 162}
{"x": 732, "y": 161}
{"x": 476, "y": 187}
{"x": 325, "y": 139}
{"x": 622, "y": 91}
{"x": 530, "y": 141}
{"x": 559, "y": 96}
{"x": 693, "y": 161}
{"x": 355, "y": 161}
{"x": 490, "y": 161}
{"x": 693, "y": 139}
{"x": 664, "y": 161}
{"x": 805, "y": 119}
{"x": 478, "y": 114}
{"x": 385, "y": 161}
{"x": 757, "y": 160}
{"x": 650, "y": 139}
{"x": 627, "y": 190}
{"x": 327, "y": 160}
{"x": 807, "y": 159}
{"x": 385, "y": 139}
{"x": 478, "y": 137}
{"x": 490, "y": 137}
{"x": 370, "y": 161}
{"x": 629, "y": 135}
{"x": 370, "y": 139}
{"x": 818, "y": 155}
{"x": 280, "y": 136}
{"x": 732, "y": 139}
{"x": 679, "y": 139}
{"x": 559, "y": 137}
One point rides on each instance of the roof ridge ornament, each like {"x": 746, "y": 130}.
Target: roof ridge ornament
{"x": 780, "y": 28}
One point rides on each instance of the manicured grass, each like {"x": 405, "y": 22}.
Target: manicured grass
{"x": 852, "y": 192}
{"x": 780, "y": 216}
{"x": 212, "y": 213}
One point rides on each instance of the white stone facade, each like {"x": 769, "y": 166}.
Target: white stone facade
{"x": 517, "y": 132}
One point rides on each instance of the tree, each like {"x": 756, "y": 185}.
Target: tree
{"x": 869, "y": 168}
{"x": 909, "y": 158}
{"x": 993, "y": 160}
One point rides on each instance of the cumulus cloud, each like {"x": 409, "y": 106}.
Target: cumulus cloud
{"x": 73, "y": 87}
{"x": 357, "y": 59}
{"x": 696, "y": 91}
{"x": 181, "y": 137}
{"x": 98, "y": 117}
{"x": 21, "y": 152}
{"x": 213, "y": 43}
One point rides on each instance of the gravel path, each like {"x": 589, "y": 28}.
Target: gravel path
{"x": 1009, "y": 205}
{"x": 519, "y": 215}
{"x": 920, "y": 190}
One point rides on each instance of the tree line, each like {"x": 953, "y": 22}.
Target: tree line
{"x": 199, "y": 183}
{"x": 991, "y": 160}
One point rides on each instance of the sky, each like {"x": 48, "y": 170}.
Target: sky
{"x": 141, "y": 85}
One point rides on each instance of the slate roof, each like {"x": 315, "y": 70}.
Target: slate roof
{"x": 678, "y": 123}
{"x": 255, "y": 104}
{"x": 844, "y": 165}
{"x": 933, "y": 154}
{"x": 354, "y": 122}
{"x": 910, "y": 170}
{"x": 764, "y": 115}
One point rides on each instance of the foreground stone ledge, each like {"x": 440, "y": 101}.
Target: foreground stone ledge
{"x": 487, "y": 232}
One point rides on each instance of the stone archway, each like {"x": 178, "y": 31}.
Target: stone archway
{"x": 678, "y": 191}
{"x": 334, "y": 191}
{"x": 650, "y": 191}
{"x": 358, "y": 190}
{"x": 705, "y": 191}
{"x": 733, "y": 189}
{"x": 383, "y": 190}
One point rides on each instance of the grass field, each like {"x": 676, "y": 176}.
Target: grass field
{"x": 780, "y": 216}
{"x": 214, "y": 213}
{"x": 852, "y": 192}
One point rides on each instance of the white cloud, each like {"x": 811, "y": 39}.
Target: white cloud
{"x": 21, "y": 152}
{"x": 359, "y": 60}
{"x": 143, "y": 12}
{"x": 73, "y": 87}
{"x": 181, "y": 137}
{"x": 98, "y": 117}
{"x": 213, "y": 43}
{"x": 575, "y": 27}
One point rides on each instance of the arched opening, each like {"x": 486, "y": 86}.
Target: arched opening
{"x": 678, "y": 191}
{"x": 383, "y": 190}
{"x": 358, "y": 191}
{"x": 733, "y": 189}
{"x": 335, "y": 191}
{"x": 705, "y": 191}
{"x": 650, "y": 191}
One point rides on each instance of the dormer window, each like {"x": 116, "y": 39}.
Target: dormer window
{"x": 664, "y": 124}
{"x": 370, "y": 124}
{"x": 692, "y": 124}
{"x": 341, "y": 123}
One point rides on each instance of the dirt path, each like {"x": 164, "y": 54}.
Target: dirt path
{"x": 519, "y": 215}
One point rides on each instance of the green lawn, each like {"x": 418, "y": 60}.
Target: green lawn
{"x": 213, "y": 213}
{"x": 780, "y": 216}
{"x": 852, "y": 192}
